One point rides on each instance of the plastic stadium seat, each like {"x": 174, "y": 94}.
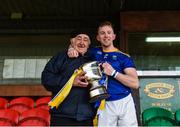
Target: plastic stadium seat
{"x": 177, "y": 117}
{"x": 43, "y": 102}
{"x": 161, "y": 121}
{"x": 3, "y": 103}
{"x": 35, "y": 117}
{"x": 8, "y": 117}
{"x": 21, "y": 104}
{"x": 157, "y": 116}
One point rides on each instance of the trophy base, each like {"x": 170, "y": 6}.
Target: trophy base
{"x": 98, "y": 93}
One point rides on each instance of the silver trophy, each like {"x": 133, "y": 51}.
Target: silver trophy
{"x": 94, "y": 74}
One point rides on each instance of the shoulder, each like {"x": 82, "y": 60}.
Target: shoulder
{"x": 125, "y": 59}
{"x": 119, "y": 52}
{"x": 95, "y": 50}
{"x": 59, "y": 56}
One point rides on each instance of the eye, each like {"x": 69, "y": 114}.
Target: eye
{"x": 85, "y": 39}
{"x": 102, "y": 32}
{"x": 78, "y": 38}
{"x": 109, "y": 32}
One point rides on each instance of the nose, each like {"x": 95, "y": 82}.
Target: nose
{"x": 106, "y": 34}
{"x": 81, "y": 41}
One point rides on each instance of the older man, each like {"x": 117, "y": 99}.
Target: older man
{"x": 75, "y": 110}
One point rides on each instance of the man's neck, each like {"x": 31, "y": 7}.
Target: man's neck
{"x": 109, "y": 48}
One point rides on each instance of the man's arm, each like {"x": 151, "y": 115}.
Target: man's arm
{"x": 129, "y": 79}
{"x": 52, "y": 78}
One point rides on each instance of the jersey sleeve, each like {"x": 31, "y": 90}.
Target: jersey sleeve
{"x": 128, "y": 62}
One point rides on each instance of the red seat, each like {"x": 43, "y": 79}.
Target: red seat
{"x": 21, "y": 104}
{"x": 35, "y": 117}
{"x": 8, "y": 117}
{"x": 3, "y": 103}
{"x": 43, "y": 102}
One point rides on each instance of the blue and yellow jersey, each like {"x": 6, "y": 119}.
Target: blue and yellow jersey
{"x": 119, "y": 62}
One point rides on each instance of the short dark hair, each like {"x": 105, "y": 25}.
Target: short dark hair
{"x": 106, "y": 23}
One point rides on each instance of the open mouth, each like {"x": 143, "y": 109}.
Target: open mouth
{"x": 81, "y": 46}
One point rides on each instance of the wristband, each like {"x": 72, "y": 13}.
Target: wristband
{"x": 116, "y": 74}
{"x": 113, "y": 73}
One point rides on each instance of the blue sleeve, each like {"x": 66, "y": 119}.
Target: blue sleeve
{"x": 128, "y": 62}
{"x": 52, "y": 77}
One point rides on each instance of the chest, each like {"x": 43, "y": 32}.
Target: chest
{"x": 114, "y": 59}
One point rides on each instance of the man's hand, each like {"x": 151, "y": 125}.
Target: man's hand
{"x": 72, "y": 53}
{"x": 81, "y": 80}
{"x": 107, "y": 68}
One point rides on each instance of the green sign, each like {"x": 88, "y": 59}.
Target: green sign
{"x": 161, "y": 92}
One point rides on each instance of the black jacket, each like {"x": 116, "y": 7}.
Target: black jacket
{"x": 55, "y": 75}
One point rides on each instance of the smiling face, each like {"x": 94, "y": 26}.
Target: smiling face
{"x": 106, "y": 36}
{"x": 81, "y": 43}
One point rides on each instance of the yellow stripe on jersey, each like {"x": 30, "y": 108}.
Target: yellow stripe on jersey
{"x": 116, "y": 50}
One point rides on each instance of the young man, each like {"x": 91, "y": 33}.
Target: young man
{"x": 122, "y": 76}
{"x": 75, "y": 110}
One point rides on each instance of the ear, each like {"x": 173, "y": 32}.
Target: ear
{"x": 97, "y": 37}
{"x": 72, "y": 42}
{"x": 114, "y": 36}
